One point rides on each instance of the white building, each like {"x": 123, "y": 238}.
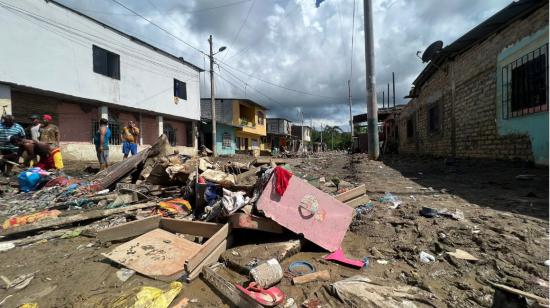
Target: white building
{"x": 54, "y": 60}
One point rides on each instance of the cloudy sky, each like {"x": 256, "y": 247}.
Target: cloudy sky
{"x": 288, "y": 54}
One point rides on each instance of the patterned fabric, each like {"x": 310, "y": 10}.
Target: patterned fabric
{"x": 6, "y": 132}
{"x": 49, "y": 134}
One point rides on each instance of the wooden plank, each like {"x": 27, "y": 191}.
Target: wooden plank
{"x": 194, "y": 260}
{"x": 228, "y": 290}
{"x": 128, "y": 230}
{"x": 246, "y": 221}
{"x": 157, "y": 254}
{"x": 95, "y": 214}
{"x": 239, "y": 258}
{"x": 506, "y": 288}
{"x": 321, "y": 275}
{"x": 352, "y": 193}
{"x": 358, "y": 201}
{"x": 211, "y": 259}
{"x": 198, "y": 228}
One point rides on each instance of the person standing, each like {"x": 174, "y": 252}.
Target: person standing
{"x": 35, "y": 128}
{"x": 101, "y": 141}
{"x": 9, "y": 128}
{"x": 130, "y": 135}
{"x": 49, "y": 133}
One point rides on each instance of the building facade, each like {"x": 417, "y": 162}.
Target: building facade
{"x": 279, "y": 135}
{"x": 486, "y": 94}
{"x": 242, "y": 118}
{"x": 61, "y": 62}
{"x": 225, "y": 131}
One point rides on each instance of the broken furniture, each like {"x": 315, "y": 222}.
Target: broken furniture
{"x": 354, "y": 197}
{"x": 160, "y": 250}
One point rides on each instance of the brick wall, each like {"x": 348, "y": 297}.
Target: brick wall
{"x": 75, "y": 123}
{"x": 475, "y": 130}
{"x": 149, "y": 129}
{"x": 181, "y": 131}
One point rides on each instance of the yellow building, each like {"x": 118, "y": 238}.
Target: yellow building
{"x": 250, "y": 121}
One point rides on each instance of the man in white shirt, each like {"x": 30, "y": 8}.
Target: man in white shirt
{"x": 35, "y": 128}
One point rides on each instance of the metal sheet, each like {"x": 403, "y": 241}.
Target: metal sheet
{"x": 306, "y": 210}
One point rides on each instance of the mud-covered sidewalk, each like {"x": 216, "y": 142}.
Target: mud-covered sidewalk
{"x": 501, "y": 219}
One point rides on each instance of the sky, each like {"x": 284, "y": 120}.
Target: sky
{"x": 290, "y": 55}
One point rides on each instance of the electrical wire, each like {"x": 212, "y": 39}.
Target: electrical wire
{"x": 241, "y": 27}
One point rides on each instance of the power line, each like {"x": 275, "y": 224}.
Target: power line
{"x": 241, "y": 27}
{"x": 159, "y": 27}
{"x": 352, "y": 41}
{"x": 274, "y": 84}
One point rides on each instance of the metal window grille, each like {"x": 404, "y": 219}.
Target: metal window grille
{"x": 525, "y": 84}
{"x": 226, "y": 140}
{"x": 170, "y": 132}
{"x": 115, "y": 128}
{"x": 434, "y": 119}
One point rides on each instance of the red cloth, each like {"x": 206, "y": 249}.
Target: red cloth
{"x": 46, "y": 162}
{"x": 282, "y": 176}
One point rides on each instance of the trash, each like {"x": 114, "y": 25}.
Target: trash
{"x": 322, "y": 179}
{"x": 6, "y": 246}
{"x": 267, "y": 274}
{"x": 247, "y": 221}
{"x": 282, "y": 176}
{"x": 290, "y": 303}
{"x": 389, "y": 198}
{"x": 316, "y": 276}
{"x": 18, "y": 283}
{"x": 541, "y": 300}
{"x": 232, "y": 201}
{"x": 547, "y": 262}
{"x": 29, "y": 219}
{"x": 312, "y": 303}
{"x": 339, "y": 256}
{"x": 71, "y": 234}
{"x": 29, "y": 305}
{"x": 359, "y": 291}
{"x": 30, "y": 179}
{"x": 299, "y": 268}
{"x": 124, "y": 274}
{"x": 149, "y": 297}
{"x": 266, "y": 297}
{"x": 429, "y": 212}
{"x": 177, "y": 206}
{"x": 376, "y": 254}
{"x": 426, "y": 257}
{"x": 319, "y": 217}
{"x": 218, "y": 177}
{"x": 463, "y": 255}
{"x": 253, "y": 254}
{"x": 383, "y": 262}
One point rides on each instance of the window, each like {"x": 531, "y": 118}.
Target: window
{"x": 180, "y": 89}
{"x": 106, "y": 63}
{"x": 525, "y": 84}
{"x": 170, "y": 133}
{"x": 410, "y": 127}
{"x": 261, "y": 118}
{"x": 226, "y": 140}
{"x": 434, "y": 123}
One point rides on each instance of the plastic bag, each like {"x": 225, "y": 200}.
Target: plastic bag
{"x": 149, "y": 297}
{"x": 29, "y": 179}
{"x": 389, "y": 198}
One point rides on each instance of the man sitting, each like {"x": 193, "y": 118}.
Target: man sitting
{"x": 50, "y": 157}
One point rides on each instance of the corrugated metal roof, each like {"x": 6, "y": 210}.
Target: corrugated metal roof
{"x": 514, "y": 11}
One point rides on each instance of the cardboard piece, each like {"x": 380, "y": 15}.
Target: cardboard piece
{"x": 159, "y": 252}
{"x": 463, "y": 255}
{"x": 304, "y": 209}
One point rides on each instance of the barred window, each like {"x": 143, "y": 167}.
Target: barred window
{"x": 170, "y": 133}
{"x": 115, "y": 128}
{"x": 525, "y": 84}
{"x": 434, "y": 121}
{"x": 226, "y": 140}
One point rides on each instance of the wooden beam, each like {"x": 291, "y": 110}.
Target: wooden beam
{"x": 352, "y": 193}
{"x": 358, "y": 201}
{"x": 227, "y": 289}
{"x": 198, "y": 228}
{"x": 315, "y": 276}
{"x": 209, "y": 260}
{"x": 95, "y": 214}
{"x": 532, "y": 296}
{"x": 128, "y": 230}
{"x": 207, "y": 248}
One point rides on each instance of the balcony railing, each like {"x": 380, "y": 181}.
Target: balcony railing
{"x": 246, "y": 123}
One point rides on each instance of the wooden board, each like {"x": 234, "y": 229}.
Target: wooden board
{"x": 157, "y": 254}
{"x": 206, "y": 249}
{"x": 209, "y": 260}
{"x": 239, "y": 258}
{"x": 358, "y": 201}
{"x": 352, "y": 193}
{"x": 198, "y": 228}
{"x": 306, "y": 210}
{"x": 128, "y": 230}
{"x": 228, "y": 289}
{"x": 246, "y": 221}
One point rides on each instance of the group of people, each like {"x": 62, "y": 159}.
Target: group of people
{"x": 43, "y": 150}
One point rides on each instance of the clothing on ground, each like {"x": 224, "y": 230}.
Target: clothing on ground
{"x": 282, "y": 176}
{"x": 6, "y": 132}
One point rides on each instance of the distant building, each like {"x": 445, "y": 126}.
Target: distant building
{"x": 225, "y": 128}
{"x": 242, "y": 118}
{"x": 297, "y": 132}
{"x": 279, "y": 134}
{"x": 61, "y": 62}
{"x": 486, "y": 94}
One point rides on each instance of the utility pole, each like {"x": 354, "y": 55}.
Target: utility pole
{"x": 322, "y": 136}
{"x": 383, "y": 99}
{"x": 212, "y": 99}
{"x": 393, "y": 86}
{"x": 372, "y": 107}
{"x": 350, "y": 115}
{"x": 388, "y": 95}
{"x": 302, "y": 131}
